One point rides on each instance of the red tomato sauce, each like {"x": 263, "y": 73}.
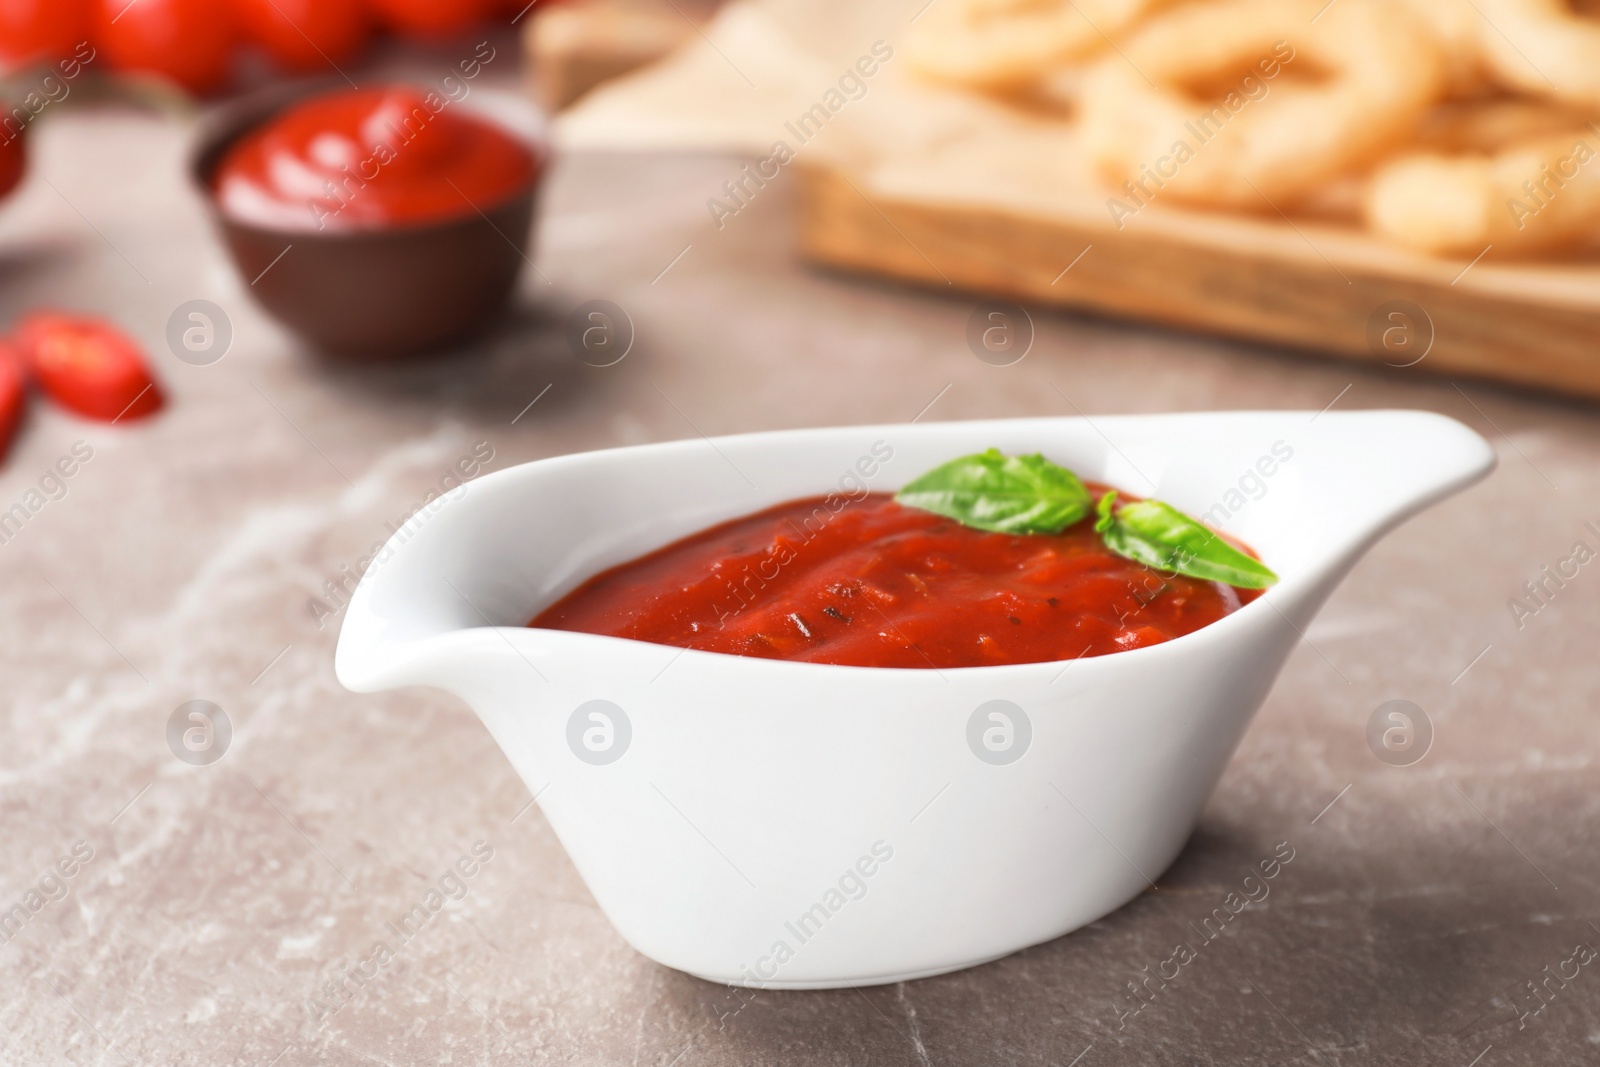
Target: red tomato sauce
{"x": 365, "y": 159}
{"x": 875, "y": 584}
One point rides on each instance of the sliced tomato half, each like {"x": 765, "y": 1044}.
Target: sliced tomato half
{"x": 88, "y": 366}
{"x": 13, "y": 394}
{"x": 13, "y": 158}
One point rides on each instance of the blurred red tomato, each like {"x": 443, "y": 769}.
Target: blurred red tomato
{"x": 431, "y": 18}
{"x": 13, "y": 393}
{"x": 305, "y": 34}
{"x": 41, "y": 29}
{"x": 88, "y": 365}
{"x": 13, "y": 158}
{"x": 187, "y": 41}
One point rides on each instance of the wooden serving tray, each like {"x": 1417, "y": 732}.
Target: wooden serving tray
{"x": 1323, "y": 288}
{"x": 579, "y": 44}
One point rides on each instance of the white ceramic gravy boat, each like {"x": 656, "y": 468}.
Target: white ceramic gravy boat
{"x": 800, "y": 825}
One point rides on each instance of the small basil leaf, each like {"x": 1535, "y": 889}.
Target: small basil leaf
{"x": 1160, "y": 536}
{"x": 1004, "y": 494}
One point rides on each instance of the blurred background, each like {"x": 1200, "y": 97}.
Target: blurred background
{"x": 274, "y": 274}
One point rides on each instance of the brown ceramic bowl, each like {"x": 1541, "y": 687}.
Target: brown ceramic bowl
{"x": 374, "y": 293}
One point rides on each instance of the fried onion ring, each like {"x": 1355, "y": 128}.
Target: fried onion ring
{"x": 1487, "y": 126}
{"x": 1007, "y": 45}
{"x": 1278, "y": 135}
{"x": 1542, "y": 47}
{"x": 1457, "y": 26}
{"x": 1522, "y": 195}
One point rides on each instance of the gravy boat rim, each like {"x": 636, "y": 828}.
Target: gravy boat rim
{"x": 1293, "y": 586}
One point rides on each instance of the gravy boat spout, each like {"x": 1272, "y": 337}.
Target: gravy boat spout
{"x": 796, "y": 825}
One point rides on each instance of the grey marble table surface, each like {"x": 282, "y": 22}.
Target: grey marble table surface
{"x": 210, "y": 908}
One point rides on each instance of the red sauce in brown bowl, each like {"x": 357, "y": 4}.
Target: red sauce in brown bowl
{"x": 364, "y": 159}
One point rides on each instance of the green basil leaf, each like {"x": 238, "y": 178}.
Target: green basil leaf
{"x": 1160, "y": 536}
{"x": 1004, "y": 494}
